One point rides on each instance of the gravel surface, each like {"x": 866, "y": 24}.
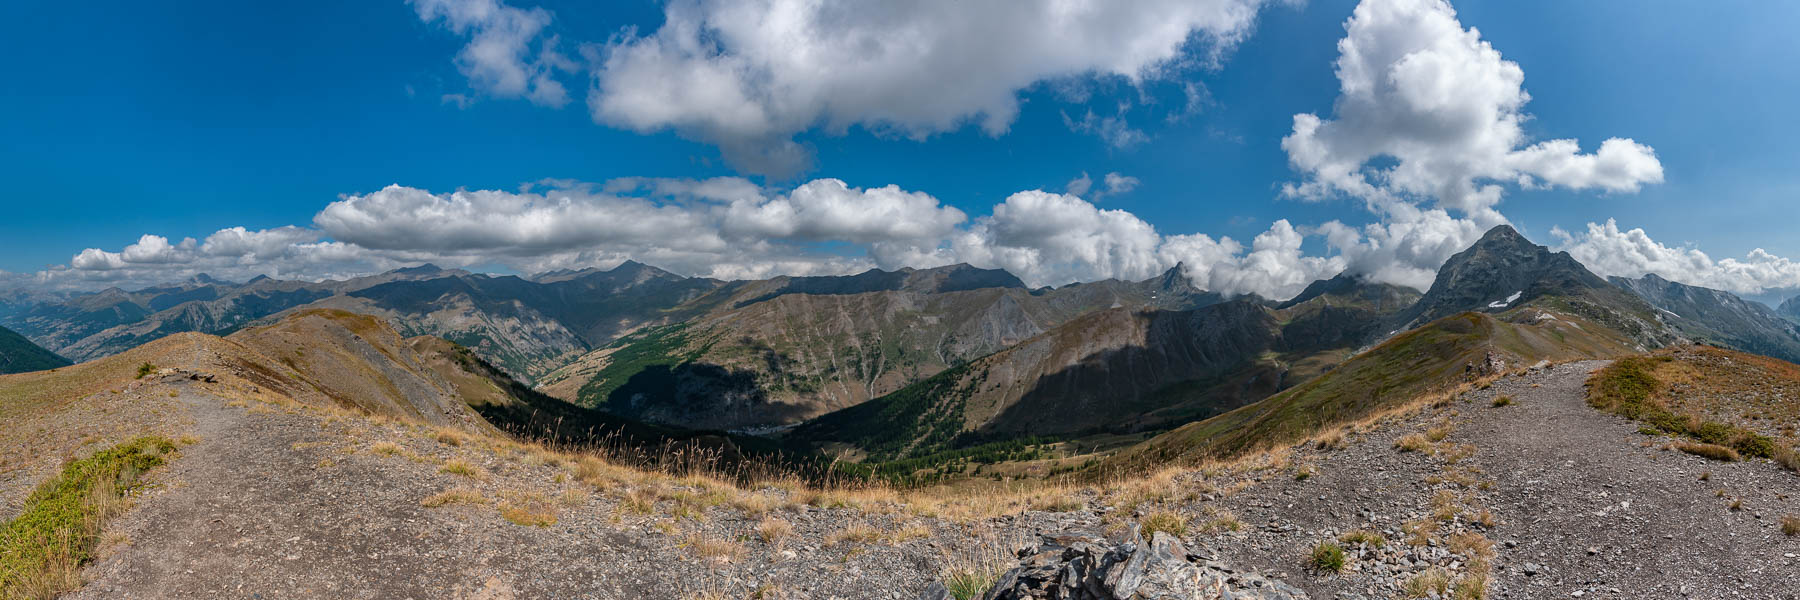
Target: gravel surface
{"x": 1583, "y": 505}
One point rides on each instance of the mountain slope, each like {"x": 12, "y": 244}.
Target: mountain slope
{"x": 19, "y": 355}
{"x": 1719, "y": 317}
{"x": 1119, "y": 370}
{"x": 1503, "y": 271}
{"x": 1435, "y": 358}
{"x": 526, "y": 326}
{"x": 776, "y": 352}
{"x": 1790, "y": 309}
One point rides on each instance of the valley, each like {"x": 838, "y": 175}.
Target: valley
{"x": 890, "y": 434}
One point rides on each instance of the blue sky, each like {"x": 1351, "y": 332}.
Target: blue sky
{"x": 183, "y": 119}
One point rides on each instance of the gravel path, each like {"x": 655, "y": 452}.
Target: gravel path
{"x": 1585, "y": 506}
{"x": 277, "y": 504}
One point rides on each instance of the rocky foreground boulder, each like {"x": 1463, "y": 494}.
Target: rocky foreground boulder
{"x": 1080, "y": 567}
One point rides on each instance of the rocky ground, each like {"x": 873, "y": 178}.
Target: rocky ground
{"x": 1545, "y": 497}
{"x": 1580, "y": 505}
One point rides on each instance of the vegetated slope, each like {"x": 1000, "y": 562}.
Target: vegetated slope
{"x": 776, "y": 352}
{"x": 1436, "y": 358}
{"x": 1719, "y": 317}
{"x": 18, "y": 355}
{"x": 1118, "y": 370}
{"x": 1504, "y": 270}
{"x": 1742, "y": 401}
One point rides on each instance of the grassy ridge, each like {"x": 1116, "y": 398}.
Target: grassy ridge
{"x": 1433, "y": 358}
{"x": 42, "y": 550}
{"x": 1629, "y": 388}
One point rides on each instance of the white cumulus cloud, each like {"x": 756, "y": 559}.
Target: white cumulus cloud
{"x": 1609, "y": 251}
{"x": 1441, "y": 103}
{"x": 499, "y": 58}
{"x": 749, "y": 76}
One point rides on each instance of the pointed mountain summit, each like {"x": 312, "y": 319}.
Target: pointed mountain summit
{"x": 1500, "y": 271}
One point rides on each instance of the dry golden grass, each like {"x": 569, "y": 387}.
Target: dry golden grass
{"x": 719, "y": 550}
{"x": 1790, "y": 525}
{"x": 385, "y": 448}
{"x": 1433, "y": 582}
{"x": 1712, "y": 451}
{"x": 1419, "y": 532}
{"x": 1413, "y": 442}
{"x": 448, "y": 437}
{"x": 860, "y": 533}
{"x": 462, "y": 468}
{"x": 529, "y": 509}
{"x": 1438, "y": 432}
{"x": 639, "y": 501}
{"x": 773, "y": 530}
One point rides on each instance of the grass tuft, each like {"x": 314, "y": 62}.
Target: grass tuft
{"x": 1164, "y": 521}
{"x": 1712, "y": 451}
{"x": 463, "y": 468}
{"x": 1327, "y": 557}
{"x": 1364, "y": 536}
{"x": 42, "y": 550}
{"x": 1502, "y": 400}
{"x": 1790, "y": 525}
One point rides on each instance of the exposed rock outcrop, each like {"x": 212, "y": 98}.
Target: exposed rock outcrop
{"x": 1080, "y": 567}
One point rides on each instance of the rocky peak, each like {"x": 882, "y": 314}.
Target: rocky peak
{"x": 1500, "y": 271}
{"x": 1176, "y": 280}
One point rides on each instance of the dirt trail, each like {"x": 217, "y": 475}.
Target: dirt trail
{"x": 275, "y": 505}
{"x": 1585, "y": 505}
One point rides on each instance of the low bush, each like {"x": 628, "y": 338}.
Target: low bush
{"x": 43, "y": 549}
{"x": 1327, "y": 557}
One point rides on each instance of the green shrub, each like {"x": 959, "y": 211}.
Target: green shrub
{"x": 145, "y": 369}
{"x": 42, "y": 550}
{"x": 1327, "y": 557}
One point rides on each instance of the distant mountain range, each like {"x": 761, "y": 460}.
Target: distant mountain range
{"x": 891, "y": 364}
